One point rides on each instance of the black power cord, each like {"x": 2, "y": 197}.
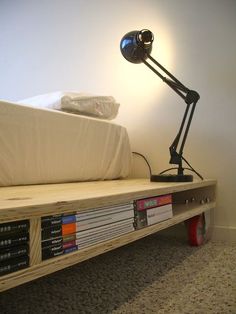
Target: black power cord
{"x": 149, "y": 167}
{"x": 150, "y": 170}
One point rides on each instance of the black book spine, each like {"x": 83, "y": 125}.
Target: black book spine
{"x": 52, "y": 242}
{"x": 52, "y": 251}
{"x": 50, "y": 221}
{"x": 15, "y": 226}
{"x": 53, "y": 232}
{"x": 13, "y": 265}
{"x": 13, "y": 252}
{"x": 13, "y": 240}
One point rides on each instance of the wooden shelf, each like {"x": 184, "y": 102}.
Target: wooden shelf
{"x": 33, "y": 202}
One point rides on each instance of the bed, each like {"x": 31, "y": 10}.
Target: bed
{"x": 48, "y": 146}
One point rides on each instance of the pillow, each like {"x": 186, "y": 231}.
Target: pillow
{"x": 104, "y": 107}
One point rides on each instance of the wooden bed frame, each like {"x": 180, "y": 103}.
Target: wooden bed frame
{"x": 35, "y": 201}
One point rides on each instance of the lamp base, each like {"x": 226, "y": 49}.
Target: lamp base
{"x": 171, "y": 178}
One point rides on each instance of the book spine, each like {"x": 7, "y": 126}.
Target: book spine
{"x": 52, "y": 251}
{"x": 52, "y": 242}
{"x": 67, "y": 245}
{"x": 153, "y": 218}
{"x": 50, "y": 221}
{"x": 71, "y": 249}
{"x": 13, "y": 240}
{"x": 13, "y": 265}
{"x": 69, "y": 237}
{"x": 105, "y": 220}
{"x": 152, "y": 215}
{"x": 15, "y": 226}
{"x": 51, "y": 233}
{"x": 103, "y": 211}
{"x": 68, "y": 219}
{"x": 68, "y": 229}
{"x": 152, "y": 202}
{"x": 14, "y": 252}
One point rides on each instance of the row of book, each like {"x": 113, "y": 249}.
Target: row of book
{"x": 14, "y": 246}
{"x": 66, "y": 233}
{"x": 62, "y": 234}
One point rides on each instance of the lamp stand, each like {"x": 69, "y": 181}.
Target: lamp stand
{"x": 190, "y": 97}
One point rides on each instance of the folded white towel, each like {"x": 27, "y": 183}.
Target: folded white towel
{"x": 104, "y": 107}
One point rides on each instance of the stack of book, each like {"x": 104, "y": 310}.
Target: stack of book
{"x": 14, "y": 246}
{"x": 102, "y": 224}
{"x": 65, "y": 233}
{"x": 57, "y": 235}
{"x": 152, "y": 210}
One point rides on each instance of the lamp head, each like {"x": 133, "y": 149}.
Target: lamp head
{"x": 135, "y": 46}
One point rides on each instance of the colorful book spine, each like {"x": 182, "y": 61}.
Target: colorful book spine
{"x": 152, "y": 202}
{"x": 58, "y": 235}
{"x": 152, "y": 210}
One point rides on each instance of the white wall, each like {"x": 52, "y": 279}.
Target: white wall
{"x": 74, "y": 45}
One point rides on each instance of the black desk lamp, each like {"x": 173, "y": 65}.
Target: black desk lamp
{"x": 136, "y": 47}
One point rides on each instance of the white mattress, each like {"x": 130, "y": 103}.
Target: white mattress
{"x": 45, "y": 146}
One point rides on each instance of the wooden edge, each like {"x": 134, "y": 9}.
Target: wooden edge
{"x": 41, "y": 209}
{"x": 35, "y": 241}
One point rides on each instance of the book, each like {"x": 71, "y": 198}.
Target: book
{"x": 13, "y": 265}
{"x": 13, "y": 252}
{"x": 50, "y": 221}
{"x": 12, "y": 239}
{"x": 69, "y": 237}
{"x": 14, "y": 227}
{"x": 52, "y": 251}
{"x": 69, "y": 229}
{"x": 51, "y": 242}
{"x": 152, "y": 202}
{"x": 57, "y": 251}
{"x": 103, "y": 211}
{"x": 103, "y": 229}
{"x": 68, "y": 244}
{"x": 68, "y": 219}
{"x": 51, "y": 232}
{"x": 153, "y": 215}
{"x": 103, "y": 220}
{"x": 102, "y": 238}
{"x": 71, "y": 249}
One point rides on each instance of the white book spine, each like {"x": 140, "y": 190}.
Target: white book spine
{"x": 97, "y": 212}
{"x": 104, "y": 220}
{"x": 154, "y": 216}
{"x": 111, "y": 226}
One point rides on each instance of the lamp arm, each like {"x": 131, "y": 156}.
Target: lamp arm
{"x": 190, "y": 97}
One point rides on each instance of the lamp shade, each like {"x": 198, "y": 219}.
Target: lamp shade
{"x": 135, "y": 46}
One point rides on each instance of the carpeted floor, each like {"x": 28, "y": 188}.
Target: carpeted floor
{"x": 157, "y": 274}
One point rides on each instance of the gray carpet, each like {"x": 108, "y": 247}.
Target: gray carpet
{"x": 157, "y": 274}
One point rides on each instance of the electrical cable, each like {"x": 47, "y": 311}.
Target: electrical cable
{"x": 197, "y": 173}
{"x": 149, "y": 167}
{"x": 174, "y": 168}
